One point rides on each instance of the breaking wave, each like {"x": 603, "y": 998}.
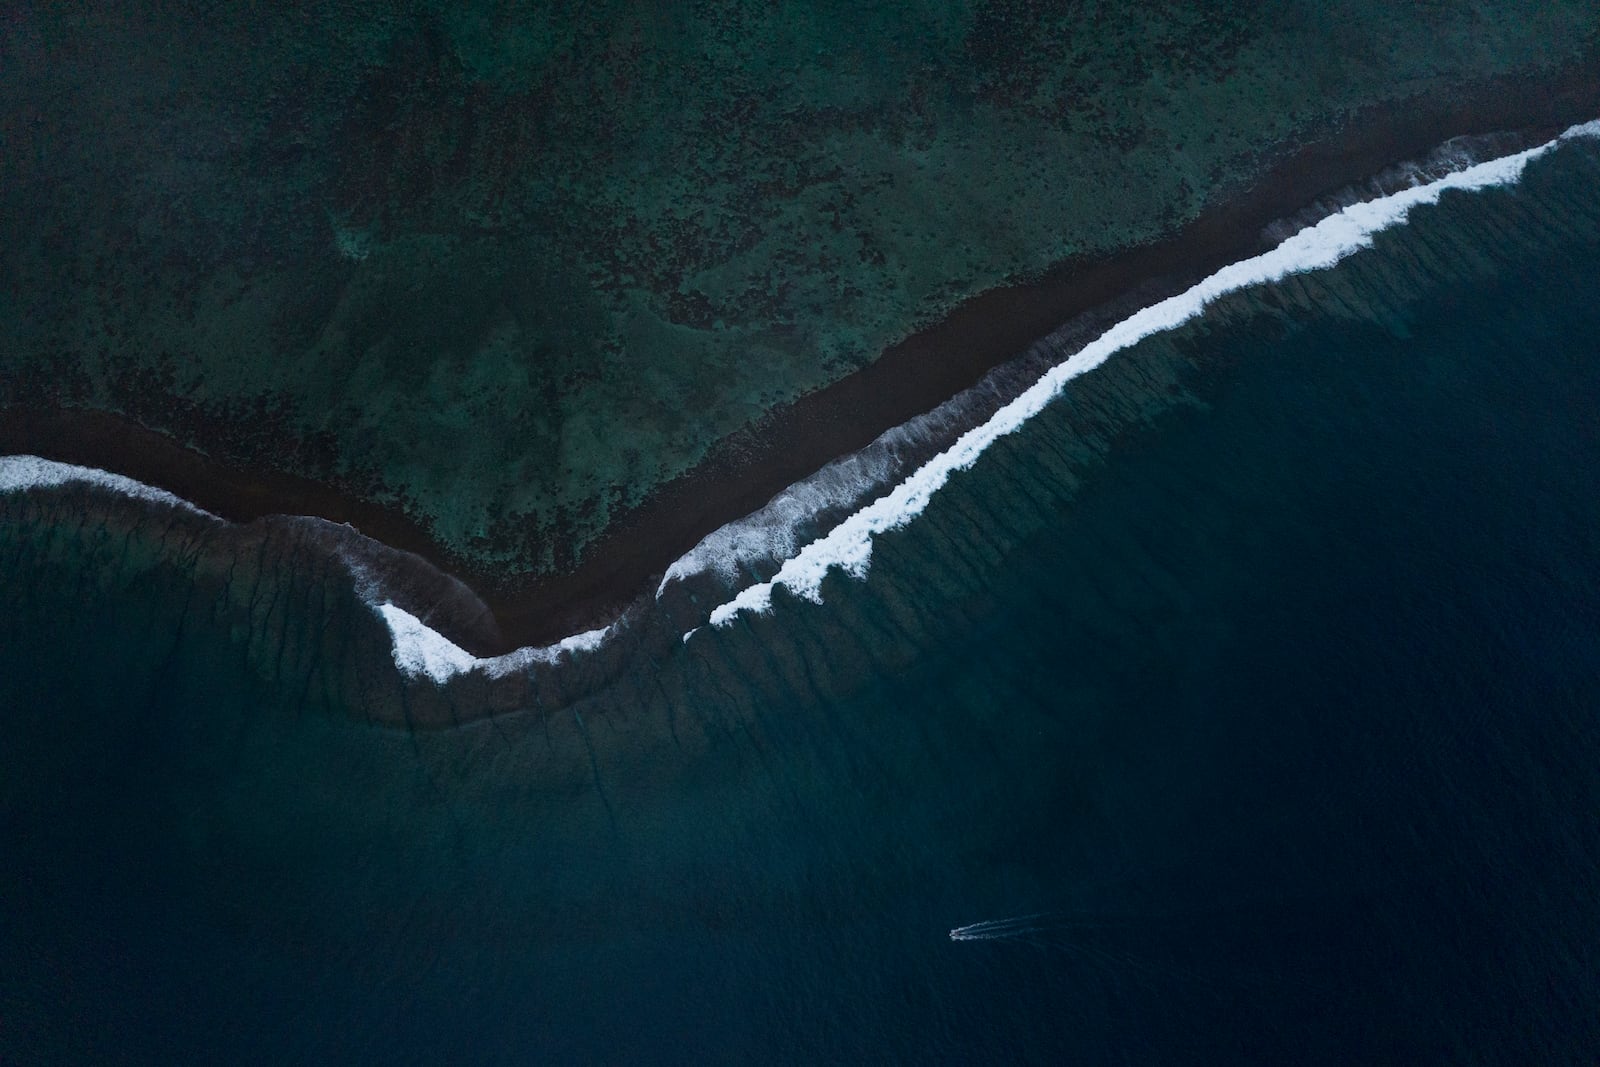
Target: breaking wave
{"x": 418, "y": 649}
{"x": 1337, "y": 234}
{"x": 421, "y": 650}
{"x": 21, "y": 473}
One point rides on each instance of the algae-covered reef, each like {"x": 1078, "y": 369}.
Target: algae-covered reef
{"x": 511, "y": 267}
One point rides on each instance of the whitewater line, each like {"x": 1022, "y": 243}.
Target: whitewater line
{"x": 21, "y": 473}
{"x": 848, "y": 546}
{"x": 418, "y": 649}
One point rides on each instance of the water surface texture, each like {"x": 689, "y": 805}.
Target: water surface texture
{"x": 1239, "y": 707}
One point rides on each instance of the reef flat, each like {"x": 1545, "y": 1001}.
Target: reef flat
{"x": 546, "y": 296}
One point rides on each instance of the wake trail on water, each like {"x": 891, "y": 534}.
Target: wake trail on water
{"x": 1001, "y": 928}
{"x": 1318, "y": 246}
{"x": 1088, "y": 939}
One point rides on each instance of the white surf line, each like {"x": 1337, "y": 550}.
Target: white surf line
{"x": 848, "y": 546}
{"x": 420, "y": 650}
{"x": 771, "y": 533}
{"x": 21, "y": 473}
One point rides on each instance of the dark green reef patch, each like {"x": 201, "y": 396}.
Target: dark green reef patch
{"x": 508, "y": 271}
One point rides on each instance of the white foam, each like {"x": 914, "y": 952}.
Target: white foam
{"x": 848, "y": 546}
{"x": 418, "y": 648}
{"x": 421, "y": 650}
{"x": 772, "y": 533}
{"x": 22, "y": 473}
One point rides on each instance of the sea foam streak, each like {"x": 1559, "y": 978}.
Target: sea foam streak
{"x": 418, "y": 648}
{"x": 421, "y": 650}
{"x": 848, "y": 546}
{"x": 19, "y": 473}
{"x": 772, "y": 533}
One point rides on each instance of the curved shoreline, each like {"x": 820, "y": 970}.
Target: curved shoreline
{"x": 741, "y": 472}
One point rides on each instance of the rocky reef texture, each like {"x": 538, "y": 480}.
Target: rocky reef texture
{"x": 506, "y": 273}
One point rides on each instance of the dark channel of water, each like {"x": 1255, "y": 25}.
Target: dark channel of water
{"x": 1261, "y": 668}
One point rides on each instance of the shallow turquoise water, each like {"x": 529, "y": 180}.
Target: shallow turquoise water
{"x": 1264, "y": 665}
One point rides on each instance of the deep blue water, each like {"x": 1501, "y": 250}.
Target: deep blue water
{"x": 1264, "y": 667}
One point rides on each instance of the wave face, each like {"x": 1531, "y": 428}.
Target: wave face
{"x": 848, "y": 546}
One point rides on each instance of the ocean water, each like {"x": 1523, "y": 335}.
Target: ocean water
{"x": 1248, "y": 690}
